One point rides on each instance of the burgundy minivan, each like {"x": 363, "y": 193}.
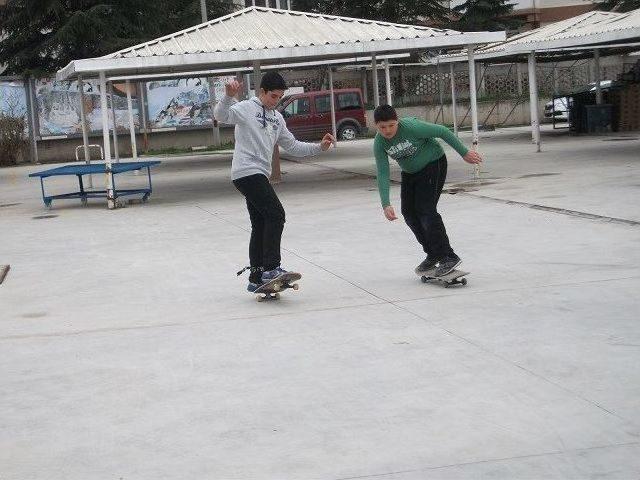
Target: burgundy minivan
{"x": 308, "y": 115}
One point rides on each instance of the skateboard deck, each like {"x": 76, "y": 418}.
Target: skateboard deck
{"x": 271, "y": 290}
{"x": 454, "y": 277}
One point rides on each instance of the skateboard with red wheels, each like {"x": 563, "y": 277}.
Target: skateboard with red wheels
{"x": 271, "y": 290}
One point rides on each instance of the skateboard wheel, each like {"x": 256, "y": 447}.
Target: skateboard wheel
{"x": 295, "y": 286}
{"x": 464, "y": 281}
{"x": 259, "y": 298}
{"x": 276, "y": 296}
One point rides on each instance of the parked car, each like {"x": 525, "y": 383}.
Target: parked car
{"x": 558, "y": 108}
{"x": 308, "y": 115}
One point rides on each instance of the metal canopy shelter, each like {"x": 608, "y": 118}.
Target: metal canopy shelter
{"x": 509, "y": 50}
{"x": 262, "y": 37}
{"x": 590, "y": 35}
{"x": 269, "y": 36}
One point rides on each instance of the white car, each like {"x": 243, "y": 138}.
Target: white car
{"x": 558, "y": 109}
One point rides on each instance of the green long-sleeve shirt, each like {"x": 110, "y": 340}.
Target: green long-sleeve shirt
{"x": 413, "y": 147}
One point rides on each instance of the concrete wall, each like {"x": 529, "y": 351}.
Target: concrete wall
{"x": 503, "y": 111}
{"x": 63, "y": 150}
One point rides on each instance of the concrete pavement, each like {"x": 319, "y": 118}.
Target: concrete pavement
{"x": 130, "y": 349}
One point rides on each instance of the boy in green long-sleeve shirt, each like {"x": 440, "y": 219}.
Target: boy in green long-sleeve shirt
{"x": 412, "y": 143}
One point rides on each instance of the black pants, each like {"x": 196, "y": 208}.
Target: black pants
{"x": 419, "y": 195}
{"x": 267, "y": 220}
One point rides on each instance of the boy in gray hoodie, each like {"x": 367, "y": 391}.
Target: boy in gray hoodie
{"x": 258, "y": 128}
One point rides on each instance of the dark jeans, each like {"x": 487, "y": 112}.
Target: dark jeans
{"x": 419, "y": 195}
{"x": 267, "y": 220}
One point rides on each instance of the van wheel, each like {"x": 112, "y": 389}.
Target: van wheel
{"x": 347, "y": 131}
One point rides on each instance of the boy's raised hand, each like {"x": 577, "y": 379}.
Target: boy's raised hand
{"x": 472, "y": 157}
{"x": 326, "y": 142}
{"x": 232, "y": 88}
{"x": 390, "y": 213}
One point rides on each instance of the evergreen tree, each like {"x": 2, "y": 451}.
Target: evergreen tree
{"x": 619, "y": 5}
{"x": 485, "y": 15}
{"x": 41, "y": 36}
{"x": 393, "y": 11}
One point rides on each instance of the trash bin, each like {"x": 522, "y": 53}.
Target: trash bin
{"x": 598, "y": 118}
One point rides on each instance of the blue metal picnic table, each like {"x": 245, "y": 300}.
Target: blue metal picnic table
{"x": 95, "y": 168}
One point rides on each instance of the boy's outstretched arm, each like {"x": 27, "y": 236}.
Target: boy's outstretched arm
{"x": 302, "y": 149}
{"x": 432, "y": 130}
{"x": 383, "y": 180}
{"x": 225, "y": 111}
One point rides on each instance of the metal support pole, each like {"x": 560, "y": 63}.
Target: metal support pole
{"x": 116, "y": 150}
{"x": 519, "y": 78}
{"x": 596, "y": 71}
{"x": 83, "y": 122}
{"x": 556, "y": 85}
{"x": 374, "y": 73}
{"x": 104, "y": 110}
{"x": 240, "y": 77}
{"x": 363, "y": 82}
{"x": 454, "y": 113}
{"x": 481, "y": 69}
{"x": 145, "y": 121}
{"x": 213, "y": 101}
{"x": 132, "y": 127}
{"x": 333, "y": 106}
{"x": 440, "y": 93}
{"x": 85, "y": 130}
{"x": 533, "y": 100}
{"x": 403, "y": 85}
{"x": 203, "y": 10}
{"x": 519, "y": 75}
{"x": 474, "y": 105}
{"x": 212, "y": 90}
{"x": 257, "y": 77}
{"x": 387, "y": 81}
{"x": 31, "y": 117}
{"x": 247, "y": 82}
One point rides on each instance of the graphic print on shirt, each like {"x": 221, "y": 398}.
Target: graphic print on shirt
{"x": 402, "y": 150}
{"x": 273, "y": 119}
{"x": 270, "y": 124}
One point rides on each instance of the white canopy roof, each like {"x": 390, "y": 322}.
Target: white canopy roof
{"x": 613, "y": 28}
{"x": 271, "y": 36}
{"x": 573, "y": 34}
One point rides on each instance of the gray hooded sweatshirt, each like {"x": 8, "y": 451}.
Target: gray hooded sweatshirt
{"x": 256, "y": 133}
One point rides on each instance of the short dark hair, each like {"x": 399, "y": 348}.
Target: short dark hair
{"x": 384, "y": 113}
{"x": 272, "y": 81}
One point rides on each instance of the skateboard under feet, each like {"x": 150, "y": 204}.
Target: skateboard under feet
{"x": 454, "y": 277}
{"x": 271, "y": 290}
